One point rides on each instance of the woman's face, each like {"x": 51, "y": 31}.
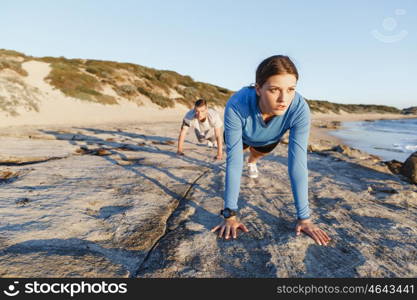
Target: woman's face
{"x": 276, "y": 94}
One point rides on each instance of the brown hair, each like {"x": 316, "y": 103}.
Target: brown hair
{"x": 200, "y": 102}
{"x": 275, "y": 65}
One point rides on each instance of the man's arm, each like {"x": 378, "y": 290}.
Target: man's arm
{"x": 181, "y": 138}
{"x": 218, "y": 124}
{"x": 219, "y": 139}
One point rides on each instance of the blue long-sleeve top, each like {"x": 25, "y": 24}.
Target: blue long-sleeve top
{"x": 243, "y": 123}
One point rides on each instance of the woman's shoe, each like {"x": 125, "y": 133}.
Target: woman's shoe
{"x": 252, "y": 170}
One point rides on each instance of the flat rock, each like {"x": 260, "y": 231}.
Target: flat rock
{"x": 86, "y": 215}
{"x": 142, "y": 211}
{"x": 373, "y": 236}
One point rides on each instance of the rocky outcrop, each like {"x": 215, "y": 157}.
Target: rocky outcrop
{"x": 409, "y": 169}
{"x": 142, "y": 211}
{"x": 331, "y": 125}
{"x": 326, "y": 124}
{"x": 394, "y": 166}
{"x": 410, "y": 110}
{"x": 324, "y": 149}
{"x": 96, "y": 212}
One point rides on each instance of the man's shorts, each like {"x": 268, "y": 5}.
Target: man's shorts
{"x": 262, "y": 149}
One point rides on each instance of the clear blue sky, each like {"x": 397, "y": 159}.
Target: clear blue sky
{"x": 222, "y": 42}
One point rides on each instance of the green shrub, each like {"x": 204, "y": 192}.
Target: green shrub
{"x": 156, "y": 98}
{"x": 67, "y": 75}
{"x": 62, "y": 60}
{"x": 326, "y": 106}
{"x": 100, "y": 68}
{"x": 186, "y": 81}
{"x": 74, "y": 83}
{"x": 106, "y": 99}
{"x": 11, "y": 53}
{"x": 12, "y": 65}
{"x": 126, "y": 90}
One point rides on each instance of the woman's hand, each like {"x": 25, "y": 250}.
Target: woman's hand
{"x": 229, "y": 227}
{"x": 318, "y": 235}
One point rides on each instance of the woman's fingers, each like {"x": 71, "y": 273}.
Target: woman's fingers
{"x": 316, "y": 237}
{"x": 321, "y": 237}
{"x": 215, "y": 228}
{"x": 227, "y": 232}
{"x": 324, "y": 236}
{"x": 313, "y": 234}
{"x": 221, "y": 231}
{"x": 243, "y": 227}
{"x": 234, "y": 232}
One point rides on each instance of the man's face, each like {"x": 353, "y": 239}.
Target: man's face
{"x": 200, "y": 112}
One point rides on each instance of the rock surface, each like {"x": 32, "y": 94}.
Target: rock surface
{"x": 409, "y": 168}
{"x": 115, "y": 201}
{"x": 410, "y": 110}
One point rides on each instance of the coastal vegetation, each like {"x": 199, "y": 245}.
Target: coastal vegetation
{"x": 88, "y": 80}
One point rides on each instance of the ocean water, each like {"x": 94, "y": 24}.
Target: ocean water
{"x": 389, "y": 139}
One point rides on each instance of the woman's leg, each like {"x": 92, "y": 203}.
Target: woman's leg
{"x": 255, "y": 155}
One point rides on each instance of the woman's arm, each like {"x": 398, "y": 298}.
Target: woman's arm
{"x": 297, "y": 160}
{"x": 234, "y": 151}
{"x": 298, "y": 172}
{"x": 234, "y": 164}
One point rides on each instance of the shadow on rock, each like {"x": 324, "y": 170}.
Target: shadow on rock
{"x": 58, "y": 255}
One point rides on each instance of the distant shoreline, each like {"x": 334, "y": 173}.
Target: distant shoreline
{"x": 321, "y": 125}
{"x": 323, "y": 119}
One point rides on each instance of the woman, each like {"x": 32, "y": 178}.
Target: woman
{"x": 256, "y": 118}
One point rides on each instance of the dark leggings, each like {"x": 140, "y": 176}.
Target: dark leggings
{"x": 262, "y": 149}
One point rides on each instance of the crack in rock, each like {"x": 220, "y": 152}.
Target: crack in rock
{"x": 167, "y": 229}
{"x": 16, "y": 161}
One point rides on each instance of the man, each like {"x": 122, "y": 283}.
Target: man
{"x": 207, "y": 127}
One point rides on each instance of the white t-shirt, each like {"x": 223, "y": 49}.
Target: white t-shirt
{"x": 205, "y": 129}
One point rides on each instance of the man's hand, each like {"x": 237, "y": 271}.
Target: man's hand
{"x": 181, "y": 139}
{"x": 219, "y": 139}
{"x": 318, "y": 235}
{"x": 229, "y": 228}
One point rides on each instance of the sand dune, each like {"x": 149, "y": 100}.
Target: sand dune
{"x": 48, "y": 106}
{"x": 56, "y": 108}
